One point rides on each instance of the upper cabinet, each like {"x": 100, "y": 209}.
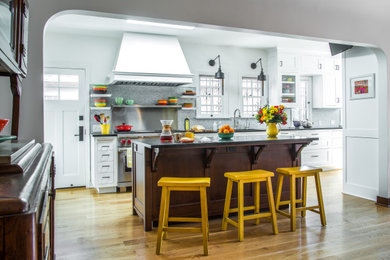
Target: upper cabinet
{"x": 13, "y": 36}
{"x": 288, "y": 62}
{"x": 327, "y": 88}
{"x": 286, "y": 68}
{"x": 311, "y": 65}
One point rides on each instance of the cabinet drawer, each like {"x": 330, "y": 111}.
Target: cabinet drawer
{"x": 105, "y": 167}
{"x": 321, "y": 143}
{"x": 315, "y": 158}
{"x": 105, "y": 146}
{"x": 105, "y": 156}
{"x": 104, "y": 179}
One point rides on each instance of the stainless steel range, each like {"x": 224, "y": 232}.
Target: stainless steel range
{"x": 125, "y": 178}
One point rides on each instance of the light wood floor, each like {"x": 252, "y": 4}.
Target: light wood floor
{"x": 93, "y": 226}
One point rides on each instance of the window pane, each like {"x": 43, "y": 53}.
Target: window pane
{"x": 69, "y": 93}
{"x": 69, "y": 81}
{"x": 51, "y": 93}
{"x": 50, "y": 80}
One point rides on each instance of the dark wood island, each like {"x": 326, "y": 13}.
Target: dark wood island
{"x": 153, "y": 159}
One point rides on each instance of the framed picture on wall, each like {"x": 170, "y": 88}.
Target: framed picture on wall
{"x": 363, "y": 86}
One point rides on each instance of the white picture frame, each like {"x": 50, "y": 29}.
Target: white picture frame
{"x": 362, "y": 87}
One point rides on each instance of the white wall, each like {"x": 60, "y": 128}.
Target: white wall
{"x": 325, "y": 19}
{"x": 235, "y": 63}
{"x": 363, "y": 165}
{"x": 95, "y": 54}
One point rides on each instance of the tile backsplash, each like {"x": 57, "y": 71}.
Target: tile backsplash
{"x": 147, "y": 95}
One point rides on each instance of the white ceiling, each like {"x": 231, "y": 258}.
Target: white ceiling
{"x": 93, "y": 25}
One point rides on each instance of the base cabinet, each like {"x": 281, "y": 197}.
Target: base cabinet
{"x": 104, "y": 163}
{"x": 27, "y": 207}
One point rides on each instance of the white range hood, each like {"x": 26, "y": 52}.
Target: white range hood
{"x": 147, "y": 59}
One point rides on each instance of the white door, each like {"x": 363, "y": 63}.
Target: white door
{"x": 65, "y": 107}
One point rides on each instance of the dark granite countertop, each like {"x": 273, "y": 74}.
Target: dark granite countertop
{"x": 216, "y": 141}
{"x": 98, "y": 134}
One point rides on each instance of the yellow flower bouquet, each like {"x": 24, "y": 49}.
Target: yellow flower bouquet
{"x": 272, "y": 114}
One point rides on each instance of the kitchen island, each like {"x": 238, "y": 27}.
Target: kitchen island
{"x": 212, "y": 157}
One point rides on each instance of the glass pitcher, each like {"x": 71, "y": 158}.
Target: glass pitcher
{"x": 166, "y": 133}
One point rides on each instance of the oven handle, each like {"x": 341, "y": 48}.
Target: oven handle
{"x": 123, "y": 149}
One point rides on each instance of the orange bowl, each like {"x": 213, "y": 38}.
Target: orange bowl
{"x": 3, "y": 123}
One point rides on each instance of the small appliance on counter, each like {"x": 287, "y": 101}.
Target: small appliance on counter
{"x": 166, "y": 133}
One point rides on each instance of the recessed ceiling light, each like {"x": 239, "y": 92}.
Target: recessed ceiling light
{"x": 167, "y": 25}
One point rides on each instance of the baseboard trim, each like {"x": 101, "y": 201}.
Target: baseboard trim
{"x": 381, "y": 201}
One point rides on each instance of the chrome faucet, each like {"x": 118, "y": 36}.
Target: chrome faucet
{"x": 234, "y": 117}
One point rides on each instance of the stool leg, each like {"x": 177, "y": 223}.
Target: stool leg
{"x": 161, "y": 220}
{"x": 279, "y": 190}
{"x": 304, "y": 195}
{"x": 227, "y": 204}
{"x": 272, "y": 205}
{"x": 240, "y": 211}
{"x": 292, "y": 203}
{"x": 205, "y": 221}
{"x": 166, "y": 215}
{"x": 257, "y": 201}
{"x": 320, "y": 200}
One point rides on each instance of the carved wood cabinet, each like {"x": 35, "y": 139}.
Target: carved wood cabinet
{"x": 26, "y": 200}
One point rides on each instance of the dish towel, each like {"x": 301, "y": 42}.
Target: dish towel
{"x": 129, "y": 155}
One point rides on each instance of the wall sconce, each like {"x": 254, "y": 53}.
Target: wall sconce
{"x": 219, "y": 74}
{"x": 261, "y": 76}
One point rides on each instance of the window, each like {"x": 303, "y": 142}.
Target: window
{"x": 251, "y": 96}
{"x": 61, "y": 84}
{"x": 210, "y": 95}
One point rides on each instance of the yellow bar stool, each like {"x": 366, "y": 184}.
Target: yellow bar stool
{"x": 240, "y": 178}
{"x": 293, "y": 173}
{"x": 182, "y": 184}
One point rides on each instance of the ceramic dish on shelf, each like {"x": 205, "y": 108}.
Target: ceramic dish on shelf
{"x": 172, "y": 101}
{"x": 100, "y": 102}
{"x": 98, "y": 89}
{"x": 162, "y": 102}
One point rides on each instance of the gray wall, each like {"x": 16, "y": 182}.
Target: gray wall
{"x": 325, "y": 19}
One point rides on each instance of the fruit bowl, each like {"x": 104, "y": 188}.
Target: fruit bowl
{"x": 225, "y": 135}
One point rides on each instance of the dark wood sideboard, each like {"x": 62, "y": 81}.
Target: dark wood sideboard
{"x": 26, "y": 200}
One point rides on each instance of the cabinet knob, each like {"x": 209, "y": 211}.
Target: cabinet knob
{"x": 281, "y": 63}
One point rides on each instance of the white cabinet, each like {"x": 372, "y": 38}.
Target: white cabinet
{"x": 327, "y": 91}
{"x": 326, "y": 151}
{"x": 288, "y": 62}
{"x": 316, "y": 154}
{"x": 289, "y": 90}
{"x": 311, "y": 65}
{"x": 337, "y": 149}
{"x": 327, "y": 88}
{"x": 104, "y": 163}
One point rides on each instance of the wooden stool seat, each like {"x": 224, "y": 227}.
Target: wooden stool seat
{"x": 293, "y": 173}
{"x": 255, "y": 176}
{"x": 187, "y": 182}
{"x": 169, "y": 184}
{"x": 302, "y": 170}
{"x": 248, "y": 175}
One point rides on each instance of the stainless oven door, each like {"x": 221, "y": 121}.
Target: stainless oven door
{"x": 124, "y": 172}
